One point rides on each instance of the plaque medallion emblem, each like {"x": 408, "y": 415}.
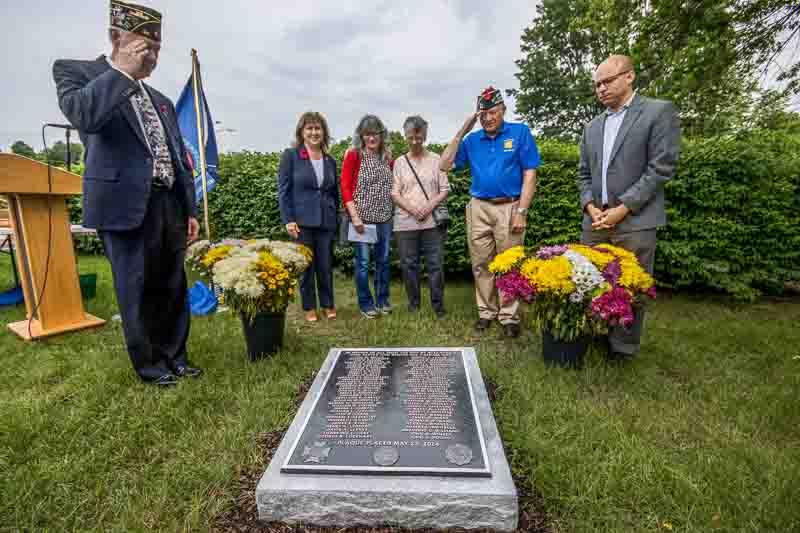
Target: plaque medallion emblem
{"x": 317, "y": 453}
{"x": 458, "y": 454}
{"x": 385, "y": 456}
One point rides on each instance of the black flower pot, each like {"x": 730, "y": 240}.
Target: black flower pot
{"x": 264, "y": 334}
{"x": 565, "y": 354}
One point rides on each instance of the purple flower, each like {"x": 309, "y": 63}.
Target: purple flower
{"x": 651, "y": 292}
{"x": 612, "y": 272}
{"x": 514, "y": 285}
{"x": 547, "y": 252}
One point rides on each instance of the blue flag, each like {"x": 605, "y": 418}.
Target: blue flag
{"x": 187, "y": 121}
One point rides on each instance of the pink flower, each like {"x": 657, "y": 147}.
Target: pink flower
{"x": 303, "y": 153}
{"x": 164, "y": 109}
{"x": 614, "y": 307}
{"x": 515, "y": 286}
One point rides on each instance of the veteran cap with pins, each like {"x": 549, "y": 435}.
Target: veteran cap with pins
{"x": 134, "y": 18}
{"x": 489, "y": 98}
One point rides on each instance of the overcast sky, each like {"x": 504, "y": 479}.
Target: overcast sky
{"x": 264, "y": 62}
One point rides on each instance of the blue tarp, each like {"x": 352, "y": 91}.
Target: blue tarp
{"x": 12, "y": 297}
{"x": 201, "y": 299}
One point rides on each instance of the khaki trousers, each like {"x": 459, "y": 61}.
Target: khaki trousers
{"x": 489, "y": 233}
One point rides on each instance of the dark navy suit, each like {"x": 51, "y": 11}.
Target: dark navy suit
{"x": 314, "y": 208}
{"x": 143, "y": 228}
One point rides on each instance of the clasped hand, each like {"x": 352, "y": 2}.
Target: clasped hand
{"x": 607, "y": 218}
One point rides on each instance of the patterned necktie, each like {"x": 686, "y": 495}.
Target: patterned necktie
{"x": 163, "y": 172}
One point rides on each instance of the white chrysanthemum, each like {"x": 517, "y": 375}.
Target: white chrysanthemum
{"x": 197, "y": 248}
{"x": 585, "y": 275}
{"x": 249, "y": 286}
{"x": 228, "y": 272}
{"x": 289, "y": 256}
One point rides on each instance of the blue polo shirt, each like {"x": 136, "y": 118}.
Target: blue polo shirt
{"x": 497, "y": 164}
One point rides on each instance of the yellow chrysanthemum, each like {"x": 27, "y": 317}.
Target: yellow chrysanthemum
{"x": 306, "y": 251}
{"x": 634, "y": 276}
{"x": 214, "y": 255}
{"x": 552, "y": 276}
{"x": 622, "y": 253}
{"x": 271, "y": 271}
{"x": 598, "y": 259}
{"x": 505, "y": 261}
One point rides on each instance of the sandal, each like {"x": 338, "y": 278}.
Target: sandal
{"x": 330, "y": 314}
{"x": 311, "y": 316}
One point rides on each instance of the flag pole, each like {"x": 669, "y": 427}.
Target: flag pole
{"x": 196, "y": 88}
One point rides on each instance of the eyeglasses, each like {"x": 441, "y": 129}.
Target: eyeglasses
{"x": 611, "y": 79}
{"x": 372, "y": 134}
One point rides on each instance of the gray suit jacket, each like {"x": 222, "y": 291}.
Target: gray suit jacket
{"x": 643, "y": 159}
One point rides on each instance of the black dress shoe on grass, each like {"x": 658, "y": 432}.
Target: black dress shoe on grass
{"x": 183, "y": 371}
{"x": 482, "y": 324}
{"x": 511, "y": 330}
{"x": 165, "y": 380}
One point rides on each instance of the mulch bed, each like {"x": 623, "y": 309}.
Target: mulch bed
{"x": 242, "y": 515}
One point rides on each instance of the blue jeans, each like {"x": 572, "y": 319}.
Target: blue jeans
{"x": 361, "y": 253}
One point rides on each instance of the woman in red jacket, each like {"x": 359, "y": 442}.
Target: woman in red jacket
{"x": 367, "y": 195}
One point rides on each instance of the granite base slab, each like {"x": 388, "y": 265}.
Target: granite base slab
{"x": 413, "y": 501}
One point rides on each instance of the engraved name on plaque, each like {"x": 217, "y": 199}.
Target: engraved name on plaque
{"x": 393, "y": 411}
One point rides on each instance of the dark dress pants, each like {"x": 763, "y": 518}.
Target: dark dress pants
{"x": 643, "y": 245}
{"x": 318, "y": 279}
{"x": 150, "y": 283}
{"x": 411, "y": 246}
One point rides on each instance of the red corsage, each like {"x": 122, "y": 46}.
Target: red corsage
{"x": 164, "y": 108}
{"x": 303, "y": 153}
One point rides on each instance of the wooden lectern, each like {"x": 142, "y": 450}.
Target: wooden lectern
{"x": 40, "y": 222}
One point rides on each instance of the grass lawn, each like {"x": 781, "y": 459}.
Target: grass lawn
{"x": 699, "y": 433}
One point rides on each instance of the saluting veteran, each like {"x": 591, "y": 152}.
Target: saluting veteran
{"x": 138, "y": 190}
{"x": 502, "y": 158}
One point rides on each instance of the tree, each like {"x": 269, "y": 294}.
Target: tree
{"x": 57, "y": 153}
{"x": 23, "y": 149}
{"x": 690, "y": 52}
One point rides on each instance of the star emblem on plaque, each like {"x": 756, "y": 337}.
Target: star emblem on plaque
{"x": 316, "y": 453}
{"x": 458, "y": 454}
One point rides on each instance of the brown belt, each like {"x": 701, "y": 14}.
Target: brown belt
{"x": 499, "y": 201}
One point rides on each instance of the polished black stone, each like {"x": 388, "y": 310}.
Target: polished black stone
{"x": 393, "y": 412}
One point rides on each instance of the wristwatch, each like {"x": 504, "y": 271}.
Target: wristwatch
{"x": 522, "y": 210}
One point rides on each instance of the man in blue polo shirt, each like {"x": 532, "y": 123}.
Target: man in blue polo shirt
{"x": 502, "y": 158}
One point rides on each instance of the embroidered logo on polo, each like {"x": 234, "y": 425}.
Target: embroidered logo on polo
{"x": 508, "y": 145}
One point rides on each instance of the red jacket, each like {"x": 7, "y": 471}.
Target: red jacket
{"x": 349, "y": 177}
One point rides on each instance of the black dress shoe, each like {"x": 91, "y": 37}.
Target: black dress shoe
{"x": 619, "y": 357}
{"x": 482, "y": 324}
{"x": 183, "y": 371}
{"x": 165, "y": 380}
{"x": 511, "y": 330}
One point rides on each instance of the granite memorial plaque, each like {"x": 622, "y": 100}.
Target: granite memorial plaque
{"x": 388, "y": 411}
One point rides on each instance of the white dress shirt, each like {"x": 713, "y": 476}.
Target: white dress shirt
{"x": 610, "y": 131}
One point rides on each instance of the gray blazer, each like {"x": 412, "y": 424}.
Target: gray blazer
{"x": 643, "y": 159}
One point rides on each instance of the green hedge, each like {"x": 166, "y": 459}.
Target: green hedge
{"x": 732, "y": 208}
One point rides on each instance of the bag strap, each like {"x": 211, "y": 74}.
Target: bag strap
{"x": 416, "y": 176}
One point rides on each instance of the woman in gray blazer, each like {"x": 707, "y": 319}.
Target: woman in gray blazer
{"x": 308, "y": 195}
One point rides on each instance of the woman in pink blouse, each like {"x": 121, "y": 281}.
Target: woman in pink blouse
{"x": 419, "y": 186}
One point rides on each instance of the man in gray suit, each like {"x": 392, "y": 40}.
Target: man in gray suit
{"x": 628, "y": 153}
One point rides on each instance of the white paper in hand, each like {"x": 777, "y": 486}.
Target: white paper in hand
{"x": 370, "y": 235}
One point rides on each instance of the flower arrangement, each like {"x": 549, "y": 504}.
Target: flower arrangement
{"x": 255, "y": 276}
{"x": 574, "y": 290}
